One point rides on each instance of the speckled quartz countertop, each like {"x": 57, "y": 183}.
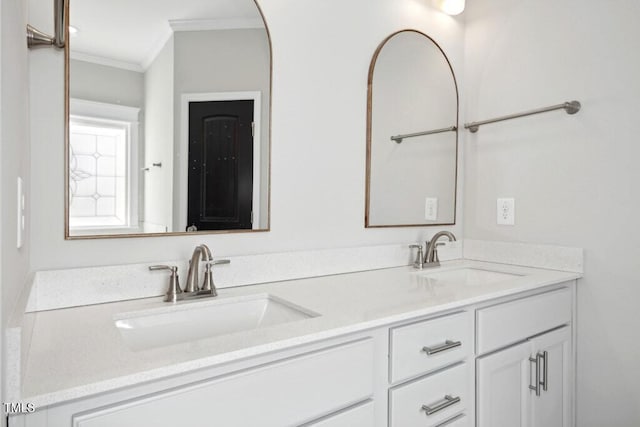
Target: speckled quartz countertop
{"x": 77, "y": 352}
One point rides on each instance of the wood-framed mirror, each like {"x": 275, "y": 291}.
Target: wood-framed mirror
{"x": 412, "y": 134}
{"x": 167, "y": 118}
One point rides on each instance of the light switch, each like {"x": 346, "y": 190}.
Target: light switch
{"x": 506, "y": 211}
{"x": 431, "y": 208}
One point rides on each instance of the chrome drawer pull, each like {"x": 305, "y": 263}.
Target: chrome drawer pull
{"x": 448, "y": 345}
{"x": 545, "y": 358}
{"x": 537, "y": 382}
{"x": 448, "y": 401}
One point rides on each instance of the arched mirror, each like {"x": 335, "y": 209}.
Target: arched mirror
{"x": 412, "y": 137}
{"x": 168, "y": 118}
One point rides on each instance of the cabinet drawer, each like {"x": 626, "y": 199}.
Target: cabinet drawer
{"x": 461, "y": 420}
{"x": 284, "y": 393}
{"x": 508, "y": 323}
{"x": 361, "y": 416}
{"x": 426, "y": 346}
{"x": 407, "y": 402}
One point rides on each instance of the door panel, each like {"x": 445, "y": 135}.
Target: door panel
{"x": 220, "y": 165}
{"x": 553, "y": 407}
{"x": 503, "y": 387}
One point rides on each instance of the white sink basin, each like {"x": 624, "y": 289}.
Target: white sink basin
{"x": 467, "y": 276}
{"x": 197, "y": 320}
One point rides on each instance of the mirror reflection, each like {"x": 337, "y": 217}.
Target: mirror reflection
{"x": 411, "y": 134}
{"x": 168, "y": 117}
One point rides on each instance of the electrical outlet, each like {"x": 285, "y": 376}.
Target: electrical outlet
{"x": 506, "y": 211}
{"x": 431, "y": 208}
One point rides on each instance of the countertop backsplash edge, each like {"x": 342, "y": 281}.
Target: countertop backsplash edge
{"x": 55, "y": 289}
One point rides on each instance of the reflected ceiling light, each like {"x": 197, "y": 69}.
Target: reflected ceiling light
{"x": 451, "y": 7}
{"x": 72, "y": 30}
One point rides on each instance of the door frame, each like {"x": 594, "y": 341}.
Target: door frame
{"x": 183, "y": 161}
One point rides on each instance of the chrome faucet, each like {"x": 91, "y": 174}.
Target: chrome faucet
{"x": 200, "y": 252}
{"x": 208, "y": 289}
{"x": 431, "y": 255}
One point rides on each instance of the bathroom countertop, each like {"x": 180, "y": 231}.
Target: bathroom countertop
{"x": 77, "y": 352}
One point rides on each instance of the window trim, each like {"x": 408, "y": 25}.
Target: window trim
{"x": 81, "y": 109}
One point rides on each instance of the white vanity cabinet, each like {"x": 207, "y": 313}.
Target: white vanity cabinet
{"x": 529, "y": 383}
{"x": 287, "y": 392}
{"x": 501, "y": 362}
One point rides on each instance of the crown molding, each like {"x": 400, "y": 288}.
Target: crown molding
{"x": 215, "y": 24}
{"x": 109, "y": 62}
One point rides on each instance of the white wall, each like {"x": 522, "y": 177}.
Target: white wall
{"x": 159, "y": 141}
{"x": 574, "y": 178}
{"x": 14, "y": 159}
{"x": 320, "y": 64}
{"x": 220, "y": 61}
{"x": 101, "y": 83}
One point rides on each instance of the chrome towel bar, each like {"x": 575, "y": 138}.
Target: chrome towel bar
{"x": 571, "y": 107}
{"x": 398, "y": 138}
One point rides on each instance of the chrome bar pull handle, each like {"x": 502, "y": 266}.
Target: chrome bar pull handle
{"x": 448, "y": 345}
{"x": 536, "y": 382}
{"x": 545, "y": 372}
{"x": 447, "y": 401}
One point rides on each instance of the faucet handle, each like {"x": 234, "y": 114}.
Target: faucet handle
{"x": 207, "y": 283}
{"x": 173, "y": 268}
{"x": 419, "y": 262}
{"x": 174, "y": 291}
{"x": 436, "y": 258}
{"x": 216, "y": 262}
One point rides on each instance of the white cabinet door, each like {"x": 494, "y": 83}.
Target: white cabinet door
{"x": 553, "y": 408}
{"x": 505, "y": 397}
{"x": 503, "y": 387}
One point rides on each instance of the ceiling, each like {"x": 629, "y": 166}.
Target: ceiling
{"x": 130, "y": 33}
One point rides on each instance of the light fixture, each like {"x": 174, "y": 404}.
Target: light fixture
{"x": 451, "y": 7}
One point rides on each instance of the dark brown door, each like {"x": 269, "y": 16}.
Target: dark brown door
{"x": 220, "y": 165}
